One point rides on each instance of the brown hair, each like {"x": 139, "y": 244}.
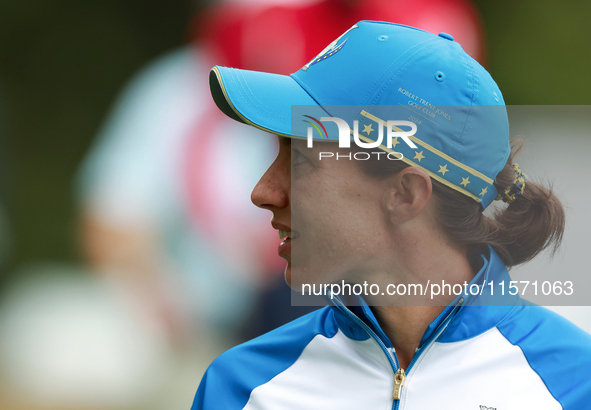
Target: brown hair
{"x": 534, "y": 221}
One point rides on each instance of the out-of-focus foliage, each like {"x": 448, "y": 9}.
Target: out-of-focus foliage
{"x": 538, "y": 51}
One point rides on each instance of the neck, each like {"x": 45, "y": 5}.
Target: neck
{"x": 405, "y": 325}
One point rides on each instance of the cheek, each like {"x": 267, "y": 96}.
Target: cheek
{"x": 332, "y": 247}
{"x": 341, "y": 224}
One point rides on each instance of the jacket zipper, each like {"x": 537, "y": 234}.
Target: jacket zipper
{"x": 399, "y": 378}
{"x": 398, "y": 382}
{"x": 399, "y": 373}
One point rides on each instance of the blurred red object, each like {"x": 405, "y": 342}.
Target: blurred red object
{"x": 281, "y": 39}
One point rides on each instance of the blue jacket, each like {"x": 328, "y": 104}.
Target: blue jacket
{"x": 481, "y": 353}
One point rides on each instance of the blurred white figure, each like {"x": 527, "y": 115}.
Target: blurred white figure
{"x": 162, "y": 207}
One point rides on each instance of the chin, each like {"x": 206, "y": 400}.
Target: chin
{"x": 287, "y": 275}
{"x": 297, "y": 277}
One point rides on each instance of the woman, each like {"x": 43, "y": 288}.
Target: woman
{"x": 350, "y": 216}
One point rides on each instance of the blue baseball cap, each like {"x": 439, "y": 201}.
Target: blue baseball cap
{"x": 384, "y": 71}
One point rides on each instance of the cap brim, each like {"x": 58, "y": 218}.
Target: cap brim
{"x": 262, "y": 100}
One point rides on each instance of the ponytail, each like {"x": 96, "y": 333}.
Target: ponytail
{"x": 517, "y": 232}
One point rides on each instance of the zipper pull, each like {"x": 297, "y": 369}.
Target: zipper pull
{"x": 399, "y": 378}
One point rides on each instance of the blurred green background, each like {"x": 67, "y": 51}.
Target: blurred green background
{"x": 62, "y": 63}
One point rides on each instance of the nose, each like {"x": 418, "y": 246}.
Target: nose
{"x": 272, "y": 190}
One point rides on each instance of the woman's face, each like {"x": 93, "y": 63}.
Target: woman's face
{"x": 333, "y": 214}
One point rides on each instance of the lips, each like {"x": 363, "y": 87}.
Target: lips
{"x": 287, "y": 236}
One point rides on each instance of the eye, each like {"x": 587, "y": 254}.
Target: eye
{"x": 297, "y": 157}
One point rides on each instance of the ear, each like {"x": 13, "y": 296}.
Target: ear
{"x": 408, "y": 194}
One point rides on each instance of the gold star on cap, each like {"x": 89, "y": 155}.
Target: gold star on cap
{"x": 465, "y": 181}
{"x": 395, "y": 142}
{"x": 443, "y": 169}
{"x": 419, "y": 156}
{"x": 484, "y": 190}
{"x": 367, "y": 129}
